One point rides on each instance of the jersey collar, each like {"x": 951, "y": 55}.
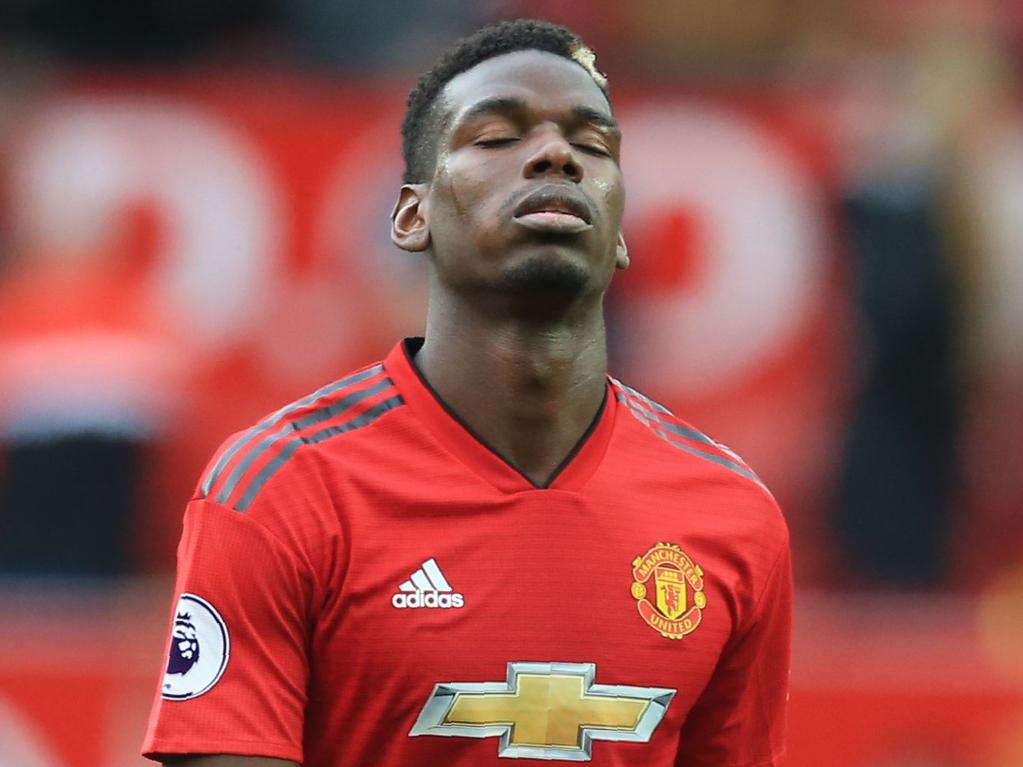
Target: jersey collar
{"x": 458, "y": 438}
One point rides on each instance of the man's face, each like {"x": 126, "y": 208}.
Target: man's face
{"x": 527, "y": 194}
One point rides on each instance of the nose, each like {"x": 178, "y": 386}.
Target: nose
{"x": 554, "y": 156}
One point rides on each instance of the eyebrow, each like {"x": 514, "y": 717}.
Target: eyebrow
{"x": 506, "y": 105}
{"x": 496, "y": 105}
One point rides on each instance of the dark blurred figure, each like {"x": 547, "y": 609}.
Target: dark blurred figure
{"x": 908, "y": 111}
{"x": 68, "y": 505}
{"x": 920, "y": 114}
{"x": 89, "y": 374}
{"x": 900, "y": 469}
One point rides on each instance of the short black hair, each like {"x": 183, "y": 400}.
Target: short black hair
{"x": 420, "y": 125}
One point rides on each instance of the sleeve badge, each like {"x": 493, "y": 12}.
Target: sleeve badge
{"x": 199, "y": 649}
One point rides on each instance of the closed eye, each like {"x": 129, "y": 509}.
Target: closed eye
{"x": 489, "y": 143}
{"x": 593, "y": 149}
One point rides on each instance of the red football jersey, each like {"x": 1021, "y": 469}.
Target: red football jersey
{"x": 362, "y": 581}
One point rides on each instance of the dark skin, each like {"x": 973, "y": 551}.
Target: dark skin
{"x": 515, "y": 338}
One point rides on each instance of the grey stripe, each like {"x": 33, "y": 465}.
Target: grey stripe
{"x": 653, "y": 424}
{"x": 640, "y": 396}
{"x": 316, "y": 416}
{"x": 274, "y": 419}
{"x": 681, "y": 431}
{"x": 356, "y": 423}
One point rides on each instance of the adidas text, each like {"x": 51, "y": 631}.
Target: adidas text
{"x": 427, "y": 599}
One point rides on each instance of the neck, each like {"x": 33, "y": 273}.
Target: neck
{"x": 529, "y": 386}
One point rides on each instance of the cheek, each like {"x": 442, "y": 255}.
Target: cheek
{"x": 610, "y": 190}
{"x": 613, "y": 193}
{"x": 471, "y": 181}
{"x": 605, "y": 187}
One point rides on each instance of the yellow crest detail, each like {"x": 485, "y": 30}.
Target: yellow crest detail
{"x": 668, "y": 588}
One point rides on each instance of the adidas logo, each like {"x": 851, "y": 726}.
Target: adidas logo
{"x": 427, "y": 588}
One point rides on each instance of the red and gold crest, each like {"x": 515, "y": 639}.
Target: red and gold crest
{"x": 668, "y": 589}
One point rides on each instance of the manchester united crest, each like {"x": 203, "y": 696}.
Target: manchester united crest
{"x": 668, "y": 589}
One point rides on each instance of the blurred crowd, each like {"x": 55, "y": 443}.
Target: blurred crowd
{"x": 111, "y": 389}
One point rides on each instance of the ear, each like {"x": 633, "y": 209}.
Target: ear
{"x": 621, "y": 252}
{"x": 409, "y": 228}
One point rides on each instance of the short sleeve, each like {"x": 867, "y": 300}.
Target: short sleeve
{"x": 739, "y": 719}
{"x": 237, "y": 668}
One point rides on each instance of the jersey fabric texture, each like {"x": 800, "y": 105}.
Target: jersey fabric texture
{"x": 362, "y": 581}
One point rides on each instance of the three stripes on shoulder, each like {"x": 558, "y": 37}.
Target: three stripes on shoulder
{"x": 258, "y": 453}
{"x": 675, "y": 432}
{"x": 358, "y": 400}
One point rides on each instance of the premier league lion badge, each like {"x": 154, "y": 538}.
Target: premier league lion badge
{"x": 668, "y": 589}
{"x": 199, "y": 649}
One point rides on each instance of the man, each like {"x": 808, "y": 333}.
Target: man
{"x": 483, "y": 548}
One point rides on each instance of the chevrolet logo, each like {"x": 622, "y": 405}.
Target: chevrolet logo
{"x": 544, "y": 711}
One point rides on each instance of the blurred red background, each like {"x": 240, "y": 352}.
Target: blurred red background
{"x": 186, "y": 250}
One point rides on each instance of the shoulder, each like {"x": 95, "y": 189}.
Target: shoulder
{"x": 690, "y": 443}
{"x": 248, "y": 460}
{"x": 738, "y": 508}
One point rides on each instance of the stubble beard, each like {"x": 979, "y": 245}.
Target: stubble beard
{"x": 544, "y": 277}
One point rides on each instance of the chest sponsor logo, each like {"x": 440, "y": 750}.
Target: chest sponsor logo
{"x": 552, "y": 711}
{"x": 199, "y": 649}
{"x": 668, "y": 588}
{"x": 427, "y": 587}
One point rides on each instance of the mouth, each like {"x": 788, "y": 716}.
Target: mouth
{"x": 554, "y": 208}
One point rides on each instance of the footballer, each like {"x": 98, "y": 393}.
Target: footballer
{"x": 485, "y": 548}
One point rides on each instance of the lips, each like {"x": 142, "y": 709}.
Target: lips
{"x": 555, "y": 208}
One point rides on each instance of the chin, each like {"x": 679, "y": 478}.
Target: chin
{"x": 544, "y": 275}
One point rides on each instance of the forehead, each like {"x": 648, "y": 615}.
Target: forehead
{"x": 540, "y": 79}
